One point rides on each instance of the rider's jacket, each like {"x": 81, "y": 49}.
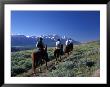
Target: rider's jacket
{"x": 70, "y": 41}
{"x": 67, "y": 42}
{"x": 58, "y": 44}
{"x": 40, "y": 45}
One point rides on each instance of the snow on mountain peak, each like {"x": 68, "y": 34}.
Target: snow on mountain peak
{"x": 49, "y": 36}
{"x": 27, "y": 36}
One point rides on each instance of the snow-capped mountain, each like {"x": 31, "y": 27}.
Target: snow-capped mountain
{"x": 22, "y": 40}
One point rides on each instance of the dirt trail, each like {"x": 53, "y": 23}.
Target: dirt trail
{"x": 44, "y": 71}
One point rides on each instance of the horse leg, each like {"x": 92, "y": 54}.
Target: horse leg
{"x": 33, "y": 68}
{"x": 46, "y": 65}
{"x": 46, "y": 60}
{"x": 33, "y": 63}
{"x": 40, "y": 70}
{"x": 60, "y": 58}
{"x": 67, "y": 54}
{"x": 56, "y": 60}
{"x": 60, "y": 55}
{"x": 55, "y": 55}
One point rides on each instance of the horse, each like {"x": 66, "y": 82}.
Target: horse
{"x": 67, "y": 50}
{"x": 58, "y": 53}
{"x": 62, "y": 52}
{"x": 38, "y": 58}
{"x": 71, "y": 47}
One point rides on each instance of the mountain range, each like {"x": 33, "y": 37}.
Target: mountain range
{"x": 30, "y": 41}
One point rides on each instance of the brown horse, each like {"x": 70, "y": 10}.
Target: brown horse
{"x": 68, "y": 49}
{"x": 71, "y": 47}
{"x": 38, "y": 58}
{"x": 58, "y": 53}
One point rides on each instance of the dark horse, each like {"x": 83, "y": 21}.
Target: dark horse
{"x": 58, "y": 53}
{"x": 71, "y": 46}
{"x": 68, "y": 48}
{"x": 38, "y": 58}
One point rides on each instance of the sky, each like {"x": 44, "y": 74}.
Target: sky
{"x": 79, "y": 25}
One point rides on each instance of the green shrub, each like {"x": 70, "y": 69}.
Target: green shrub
{"x": 76, "y": 65}
{"x": 84, "y": 60}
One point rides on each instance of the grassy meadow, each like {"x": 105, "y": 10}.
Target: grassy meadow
{"x": 82, "y": 62}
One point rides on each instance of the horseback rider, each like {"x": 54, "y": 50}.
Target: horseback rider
{"x": 41, "y": 49}
{"x": 58, "y": 49}
{"x": 58, "y": 44}
{"x": 40, "y": 44}
{"x": 70, "y": 40}
{"x": 67, "y": 42}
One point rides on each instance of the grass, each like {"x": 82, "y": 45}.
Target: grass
{"x": 84, "y": 60}
{"x": 21, "y": 61}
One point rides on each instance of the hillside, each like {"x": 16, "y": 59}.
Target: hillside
{"x": 82, "y": 62}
